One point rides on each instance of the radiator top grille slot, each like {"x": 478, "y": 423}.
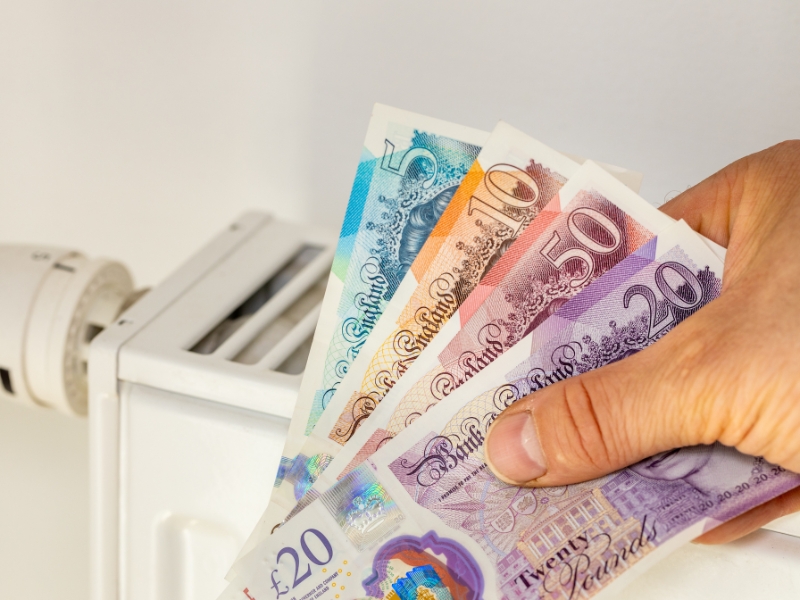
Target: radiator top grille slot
{"x": 278, "y": 327}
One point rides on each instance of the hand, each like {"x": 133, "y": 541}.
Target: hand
{"x": 728, "y": 374}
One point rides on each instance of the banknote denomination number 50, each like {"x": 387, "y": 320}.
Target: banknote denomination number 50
{"x": 600, "y": 222}
{"x": 313, "y": 556}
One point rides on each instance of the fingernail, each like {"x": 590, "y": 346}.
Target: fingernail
{"x": 513, "y": 450}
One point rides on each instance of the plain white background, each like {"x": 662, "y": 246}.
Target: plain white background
{"x": 137, "y": 129}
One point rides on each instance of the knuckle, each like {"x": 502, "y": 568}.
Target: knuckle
{"x": 691, "y": 384}
{"x": 791, "y": 147}
{"x": 787, "y": 150}
{"x": 691, "y": 393}
{"x": 768, "y": 421}
{"x": 782, "y": 158}
{"x": 590, "y": 434}
{"x": 695, "y": 385}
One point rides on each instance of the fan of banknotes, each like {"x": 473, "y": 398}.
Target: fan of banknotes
{"x": 473, "y": 269}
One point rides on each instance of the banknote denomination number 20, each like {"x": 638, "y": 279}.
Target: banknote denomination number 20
{"x": 662, "y": 316}
{"x": 598, "y": 220}
{"x": 277, "y": 584}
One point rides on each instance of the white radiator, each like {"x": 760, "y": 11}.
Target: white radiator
{"x": 191, "y": 392}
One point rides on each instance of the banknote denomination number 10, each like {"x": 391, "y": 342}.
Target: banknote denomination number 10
{"x": 523, "y": 193}
{"x": 282, "y": 588}
{"x": 598, "y": 220}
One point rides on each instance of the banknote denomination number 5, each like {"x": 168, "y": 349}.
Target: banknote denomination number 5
{"x": 401, "y": 165}
{"x": 599, "y": 222}
{"x": 662, "y": 316}
{"x": 310, "y": 554}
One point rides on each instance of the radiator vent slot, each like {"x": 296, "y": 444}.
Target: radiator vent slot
{"x": 281, "y": 327}
{"x": 273, "y": 327}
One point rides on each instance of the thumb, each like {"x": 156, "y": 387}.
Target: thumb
{"x": 601, "y": 421}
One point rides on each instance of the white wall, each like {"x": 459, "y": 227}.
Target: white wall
{"x": 136, "y": 129}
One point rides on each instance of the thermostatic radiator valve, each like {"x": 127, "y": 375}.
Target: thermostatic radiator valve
{"x": 53, "y": 302}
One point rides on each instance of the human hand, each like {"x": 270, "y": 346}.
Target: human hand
{"x": 728, "y": 374}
